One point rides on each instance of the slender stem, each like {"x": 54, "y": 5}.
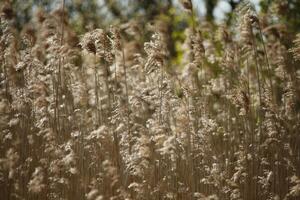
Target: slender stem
{"x": 127, "y": 98}
{"x": 258, "y": 71}
{"x": 260, "y": 115}
{"x": 96, "y": 92}
{"x": 62, "y": 23}
{"x": 267, "y": 59}
{"x": 6, "y": 81}
{"x": 57, "y": 100}
{"x": 161, "y": 93}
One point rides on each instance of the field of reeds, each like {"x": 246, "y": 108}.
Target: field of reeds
{"x": 109, "y": 116}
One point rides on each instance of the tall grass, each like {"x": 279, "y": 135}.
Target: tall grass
{"x": 102, "y": 118}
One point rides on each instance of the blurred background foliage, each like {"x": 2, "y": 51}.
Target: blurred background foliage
{"x": 85, "y": 15}
{"x": 95, "y": 13}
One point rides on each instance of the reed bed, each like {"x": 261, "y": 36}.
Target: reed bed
{"x": 106, "y": 115}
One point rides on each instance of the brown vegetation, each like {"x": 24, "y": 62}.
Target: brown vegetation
{"x": 104, "y": 119}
